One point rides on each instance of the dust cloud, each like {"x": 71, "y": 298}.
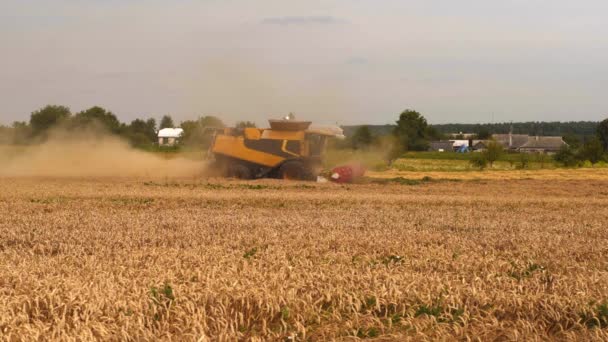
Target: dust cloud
{"x": 92, "y": 154}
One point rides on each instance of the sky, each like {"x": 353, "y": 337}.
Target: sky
{"x": 341, "y": 61}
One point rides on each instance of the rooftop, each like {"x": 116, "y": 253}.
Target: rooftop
{"x": 550, "y": 143}
{"x": 170, "y": 133}
{"x": 517, "y": 139}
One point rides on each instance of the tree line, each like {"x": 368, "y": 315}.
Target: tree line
{"x": 585, "y": 141}
{"x": 411, "y": 132}
{"x": 579, "y": 129}
{"x": 141, "y": 132}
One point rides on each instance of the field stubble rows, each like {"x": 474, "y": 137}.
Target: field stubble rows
{"x": 128, "y": 259}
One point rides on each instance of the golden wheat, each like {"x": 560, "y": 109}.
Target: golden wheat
{"x": 120, "y": 259}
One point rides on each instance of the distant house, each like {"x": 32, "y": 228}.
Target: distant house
{"x": 169, "y": 136}
{"x": 479, "y": 145}
{"x": 542, "y": 145}
{"x": 460, "y": 144}
{"x": 529, "y": 144}
{"x": 511, "y": 141}
{"x": 461, "y": 135}
{"x": 441, "y": 146}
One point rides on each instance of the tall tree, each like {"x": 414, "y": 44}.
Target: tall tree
{"x": 210, "y": 121}
{"x": 166, "y": 122}
{"x": 592, "y": 150}
{"x": 574, "y": 141}
{"x": 493, "y": 152}
{"x": 141, "y": 133}
{"x": 6, "y": 135}
{"x": 483, "y": 134}
{"x": 150, "y": 130}
{"x": 602, "y": 133}
{"x": 566, "y": 156}
{"x": 97, "y": 115}
{"x": 412, "y": 131}
{"x": 47, "y": 117}
{"x": 245, "y": 124}
{"x": 362, "y": 138}
{"x": 196, "y": 133}
{"x": 22, "y": 132}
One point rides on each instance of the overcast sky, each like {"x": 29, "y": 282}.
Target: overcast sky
{"x": 345, "y": 61}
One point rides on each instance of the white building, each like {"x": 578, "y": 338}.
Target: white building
{"x": 458, "y": 143}
{"x": 169, "y": 136}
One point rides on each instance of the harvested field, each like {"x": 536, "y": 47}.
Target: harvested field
{"x": 132, "y": 259}
{"x": 498, "y": 175}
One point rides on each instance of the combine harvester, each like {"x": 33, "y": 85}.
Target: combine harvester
{"x": 289, "y": 149}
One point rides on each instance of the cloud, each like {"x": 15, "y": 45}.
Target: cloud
{"x": 305, "y": 20}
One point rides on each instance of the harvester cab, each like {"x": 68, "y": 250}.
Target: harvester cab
{"x": 289, "y": 149}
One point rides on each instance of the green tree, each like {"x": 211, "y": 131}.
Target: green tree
{"x": 433, "y": 133}
{"x": 479, "y": 160}
{"x": 6, "y": 135}
{"x": 592, "y": 150}
{"x": 245, "y": 124}
{"x": 483, "y": 134}
{"x": 166, "y": 122}
{"x": 97, "y": 115}
{"x": 524, "y": 161}
{"x": 150, "y": 129}
{"x": 141, "y": 133}
{"x": 44, "y": 119}
{"x": 573, "y": 140}
{"x": 411, "y": 132}
{"x": 197, "y": 133}
{"x": 362, "y": 138}
{"x": 566, "y": 156}
{"x": 493, "y": 152}
{"x": 602, "y": 133}
{"x": 21, "y": 132}
{"x": 210, "y": 121}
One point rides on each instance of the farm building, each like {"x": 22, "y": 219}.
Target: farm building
{"x": 169, "y": 136}
{"x": 511, "y": 141}
{"x": 542, "y": 145}
{"x": 461, "y": 135}
{"x": 441, "y": 146}
{"x": 529, "y": 144}
{"x": 479, "y": 145}
{"x": 460, "y": 144}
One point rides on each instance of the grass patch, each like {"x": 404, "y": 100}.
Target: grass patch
{"x": 250, "y": 253}
{"x": 49, "y": 200}
{"x": 519, "y": 272}
{"x": 597, "y": 317}
{"x": 399, "y": 180}
{"x": 132, "y": 200}
{"x": 440, "y": 313}
{"x": 372, "y": 160}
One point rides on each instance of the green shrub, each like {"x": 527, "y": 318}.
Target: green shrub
{"x": 524, "y": 161}
{"x": 493, "y": 152}
{"x": 479, "y": 160}
{"x": 597, "y": 318}
{"x": 566, "y": 156}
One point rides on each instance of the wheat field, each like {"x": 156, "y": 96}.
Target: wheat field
{"x": 197, "y": 260}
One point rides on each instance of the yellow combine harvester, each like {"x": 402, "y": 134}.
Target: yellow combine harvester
{"x": 289, "y": 149}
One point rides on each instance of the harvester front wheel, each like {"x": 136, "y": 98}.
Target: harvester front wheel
{"x": 295, "y": 170}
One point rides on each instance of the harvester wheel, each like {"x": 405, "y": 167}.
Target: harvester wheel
{"x": 239, "y": 171}
{"x": 295, "y": 170}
